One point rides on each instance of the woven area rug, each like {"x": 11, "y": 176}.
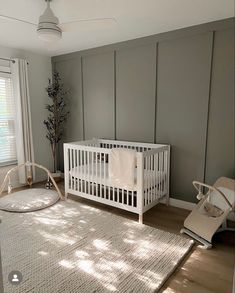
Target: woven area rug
{"x": 72, "y": 247}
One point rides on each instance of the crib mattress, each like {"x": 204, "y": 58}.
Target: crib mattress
{"x": 100, "y": 174}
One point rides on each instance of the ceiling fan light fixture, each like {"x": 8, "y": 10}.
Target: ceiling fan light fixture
{"x": 48, "y": 30}
{"x": 49, "y": 35}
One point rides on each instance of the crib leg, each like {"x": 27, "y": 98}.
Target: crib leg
{"x": 140, "y": 218}
{"x": 66, "y": 195}
{"x": 167, "y": 199}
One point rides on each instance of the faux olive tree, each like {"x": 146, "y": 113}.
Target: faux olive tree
{"x": 57, "y": 114}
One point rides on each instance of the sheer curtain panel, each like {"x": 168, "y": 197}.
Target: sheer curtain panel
{"x": 23, "y": 125}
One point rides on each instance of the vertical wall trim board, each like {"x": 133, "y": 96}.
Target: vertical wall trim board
{"x": 209, "y": 100}
{"x": 156, "y": 84}
{"x": 83, "y": 116}
{"x": 115, "y": 93}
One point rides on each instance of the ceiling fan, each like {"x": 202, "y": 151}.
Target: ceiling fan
{"x": 49, "y": 28}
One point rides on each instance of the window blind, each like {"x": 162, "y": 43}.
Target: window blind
{"x": 7, "y": 123}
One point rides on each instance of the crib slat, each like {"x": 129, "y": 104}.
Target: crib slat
{"x": 109, "y": 180}
{"x": 154, "y": 177}
{"x": 96, "y": 171}
{"x": 153, "y": 193}
{"x": 76, "y": 162}
{"x": 159, "y": 181}
{"x": 84, "y": 170}
{"x": 104, "y": 175}
{"x": 151, "y": 179}
{"x": 88, "y": 169}
{"x": 92, "y": 173}
{"x": 100, "y": 177}
{"x": 74, "y": 168}
{"x": 161, "y": 174}
{"x": 147, "y": 179}
{"x": 81, "y": 170}
{"x": 71, "y": 167}
{"x": 77, "y": 173}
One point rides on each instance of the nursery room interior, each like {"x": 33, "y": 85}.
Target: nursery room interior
{"x": 117, "y": 141}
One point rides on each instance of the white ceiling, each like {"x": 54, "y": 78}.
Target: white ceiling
{"x": 135, "y": 18}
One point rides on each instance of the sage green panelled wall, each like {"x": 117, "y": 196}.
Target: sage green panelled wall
{"x": 135, "y": 89}
{"x": 221, "y": 127}
{"x": 175, "y": 88}
{"x": 182, "y": 107}
{"x": 98, "y": 85}
{"x": 70, "y": 71}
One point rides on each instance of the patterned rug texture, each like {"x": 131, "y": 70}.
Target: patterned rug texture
{"x": 74, "y": 248}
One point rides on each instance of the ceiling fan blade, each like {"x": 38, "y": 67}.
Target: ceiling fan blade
{"x": 91, "y": 24}
{"x": 16, "y": 19}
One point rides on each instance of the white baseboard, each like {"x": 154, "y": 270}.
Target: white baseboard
{"x": 181, "y": 204}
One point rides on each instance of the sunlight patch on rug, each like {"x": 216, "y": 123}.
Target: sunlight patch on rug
{"x": 71, "y": 247}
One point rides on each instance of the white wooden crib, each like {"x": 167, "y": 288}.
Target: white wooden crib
{"x": 86, "y": 174}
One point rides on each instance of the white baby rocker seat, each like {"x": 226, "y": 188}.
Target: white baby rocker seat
{"x": 215, "y": 208}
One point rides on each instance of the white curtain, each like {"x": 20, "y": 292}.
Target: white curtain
{"x": 23, "y": 125}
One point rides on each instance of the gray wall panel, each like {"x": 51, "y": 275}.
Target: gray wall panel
{"x": 182, "y": 106}
{"x": 70, "y": 72}
{"x": 135, "y": 101}
{"x": 98, "y": 84}
{"x": 220, "y": 146}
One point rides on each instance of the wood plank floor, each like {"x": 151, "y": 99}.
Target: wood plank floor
{"x": 202, "y": 271}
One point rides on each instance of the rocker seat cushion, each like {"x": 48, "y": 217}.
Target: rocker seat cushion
{"x": 28, "y": 200}
{"x": 212, "y": 210}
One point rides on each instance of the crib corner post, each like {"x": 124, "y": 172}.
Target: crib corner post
{"x": 168, "y": 175}
{"x": 66, "y": 195}
{"x": 141, "y": 217}
{"x": 140, "y": 185}
{"x": 66, "y": 170}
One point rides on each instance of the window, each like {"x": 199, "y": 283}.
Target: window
{"x": 7, "y": 123}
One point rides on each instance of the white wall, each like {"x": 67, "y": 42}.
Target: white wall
{"x": 39, "y": 72}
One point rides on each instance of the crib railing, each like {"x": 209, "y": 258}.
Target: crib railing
{"x": 139, "y": 147}
{"x": 86, "y": 174}
{"x": 156, "y": 174}
{"x": 93, "y": 180}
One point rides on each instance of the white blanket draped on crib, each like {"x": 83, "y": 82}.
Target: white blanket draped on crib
{"x": 122, "y": 167}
